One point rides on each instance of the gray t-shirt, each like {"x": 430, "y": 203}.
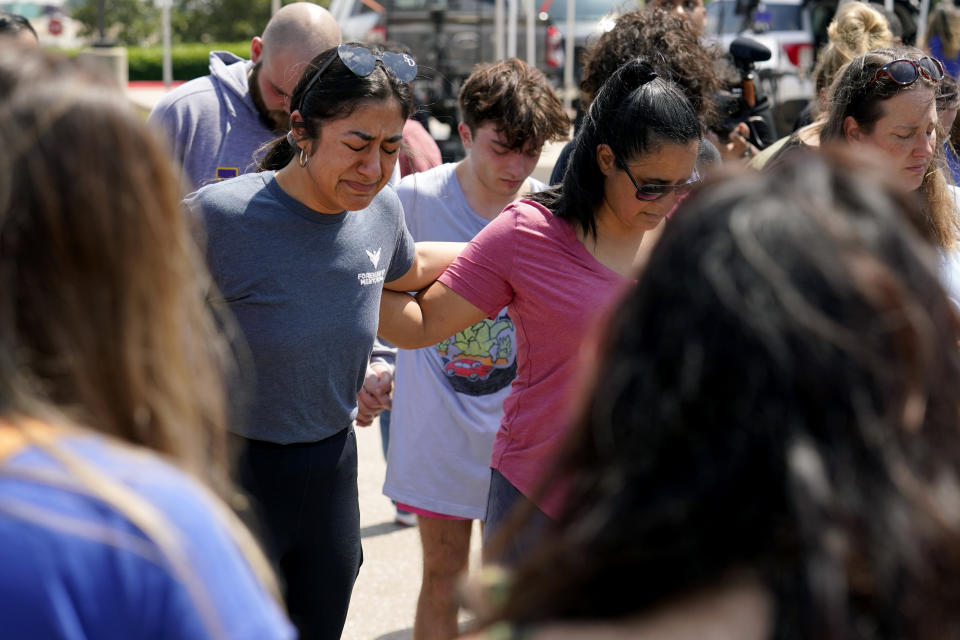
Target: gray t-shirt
{"x": 305, "y": 290}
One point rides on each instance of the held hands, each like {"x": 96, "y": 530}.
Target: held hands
{"x": 375, "y": 396}
{"x": 737, "y": 146}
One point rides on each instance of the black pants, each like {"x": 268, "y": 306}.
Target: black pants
{"x": 304, "y": 498}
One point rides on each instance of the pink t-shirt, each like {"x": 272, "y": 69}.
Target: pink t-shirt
{"x": 556, "y": 291}
{"x": 419, "y": 151}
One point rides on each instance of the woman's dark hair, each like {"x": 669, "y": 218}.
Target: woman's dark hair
{"x": 635, "y": 112}
{"x": 860, "y": 94}
{"x": 333, "y": 96}
{"x": 777, "y": 398}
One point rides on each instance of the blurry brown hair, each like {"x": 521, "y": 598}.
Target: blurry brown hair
{"x": 104, "y": 324}
{"x": 518, "y": 99}
{"x": 102, "y": 291}
{"x": 944, "y": 23}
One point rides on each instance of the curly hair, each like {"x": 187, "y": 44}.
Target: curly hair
{"x": 670, "y": 42}
{"x": 518, "y": 98}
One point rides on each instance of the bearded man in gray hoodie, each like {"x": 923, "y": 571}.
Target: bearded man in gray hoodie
{"x": 216, "y": 122}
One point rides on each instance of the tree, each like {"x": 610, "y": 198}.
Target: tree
{"x": 218, "y": 20}
{"x": 137, "y": 22}
{"x": 128, "y": 22}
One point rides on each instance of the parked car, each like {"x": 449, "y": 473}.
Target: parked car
{"x": 359, "y": 20}
{"x": 784, "y": 27}
{"x": 592, "y": 18}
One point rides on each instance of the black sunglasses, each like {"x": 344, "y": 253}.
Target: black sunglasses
{"x": 362, "y": 61}
{"x": 906, "y": 72}
{"x": 651, "y": 192}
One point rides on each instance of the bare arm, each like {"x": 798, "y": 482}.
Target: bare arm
{"x": 436, "y": 313}
{"x": 429, "y": 261}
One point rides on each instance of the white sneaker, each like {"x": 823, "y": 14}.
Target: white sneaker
{"x": 405, "y": 518}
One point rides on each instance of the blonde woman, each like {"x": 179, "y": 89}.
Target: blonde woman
{"x": 856, "y": 29}
{"x": 111, "y": 404}
{"x": 943, "y": 36}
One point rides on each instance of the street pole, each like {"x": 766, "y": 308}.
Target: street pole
{"x": 568, "y": 52}
{"x": 922, "y": 21}
{"x": 512, "y": 28}
{"x": 531, "y": 34}
{"x": 498, "y": 29}
{"x": 167, "y": 46}
{"x": 101, "y": 30}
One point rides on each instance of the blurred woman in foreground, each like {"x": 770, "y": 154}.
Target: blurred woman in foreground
{"x": 771, "y": 449}
{"x": 110, "y": 383}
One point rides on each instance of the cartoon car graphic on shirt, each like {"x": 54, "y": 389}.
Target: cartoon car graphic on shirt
{"x": 484, "y": 352}
{"x": 468, "y": 368}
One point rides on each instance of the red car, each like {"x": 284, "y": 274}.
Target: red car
{"x": 467, "y": 368}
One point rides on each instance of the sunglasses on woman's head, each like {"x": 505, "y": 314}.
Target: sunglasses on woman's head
{"x": 906, "y": 72}
{"x": 362, "y": 61}
{"x": 650, "y": 192}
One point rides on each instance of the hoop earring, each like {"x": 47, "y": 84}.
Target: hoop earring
{"x": 302, "y": 160}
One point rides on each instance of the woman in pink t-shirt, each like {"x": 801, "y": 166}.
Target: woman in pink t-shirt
{"x": 559, "y": 259}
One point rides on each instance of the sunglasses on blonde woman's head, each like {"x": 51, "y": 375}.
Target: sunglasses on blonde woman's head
{"x": 905, "y": 72}
{"x": 650, "y": 192}
{"x": 361, "y": 61}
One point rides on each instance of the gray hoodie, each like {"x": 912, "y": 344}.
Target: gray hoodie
{"x": 212, "y": 123}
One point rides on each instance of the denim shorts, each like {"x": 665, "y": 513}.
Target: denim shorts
{"x": 502, "y": 499}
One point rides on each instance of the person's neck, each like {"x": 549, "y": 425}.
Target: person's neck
{"x": 294, "y": 181}
{"x": 625, "y": 253}
{"x": 810, "y": 134}
{"x": 484, "y": 202}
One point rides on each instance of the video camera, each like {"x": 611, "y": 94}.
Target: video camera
{"x": 740, "y": 104}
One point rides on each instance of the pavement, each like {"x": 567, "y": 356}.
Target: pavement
{"x": 385, "y": 595}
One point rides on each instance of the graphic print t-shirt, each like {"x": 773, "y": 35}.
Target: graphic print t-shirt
{"x": 448, "y": 399}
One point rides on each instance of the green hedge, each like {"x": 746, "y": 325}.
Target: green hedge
{"x": 189, "y": 60}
